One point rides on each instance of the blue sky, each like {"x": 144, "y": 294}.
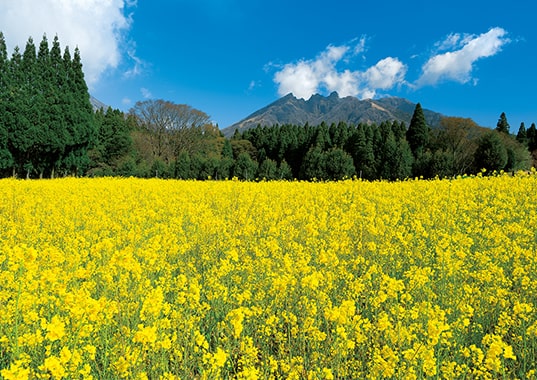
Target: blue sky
{"x": 229, "y": 58}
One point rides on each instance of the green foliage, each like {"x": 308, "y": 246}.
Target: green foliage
{"x": 502, "y": 125}
{"x": 456, "y": 142}
{"x": 322, "y": 152}
{"x": 245, "y": 167}
{"x": 491, "y": 153}
{"x": 338, "y": 164}
{"x": 360, "y": 146}
{"x": 531, "y": 134}
{"x": 313, "y": 166}
{"x": 284, "y": 171}
{"x": 521, "y": 135}
{"x": 418, "y": 132}
{"x": 45, "y": 111}
{"x": 268, "y": 169}
{"x": 112, "y": 144}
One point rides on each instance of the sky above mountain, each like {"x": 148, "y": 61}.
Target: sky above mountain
{"x": 230, "y": 58}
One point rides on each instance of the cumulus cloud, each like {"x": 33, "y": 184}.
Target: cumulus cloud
{"x": 458, "y": 63}
{"x": 97, "y": 27}
{"x": 307, "y": 77}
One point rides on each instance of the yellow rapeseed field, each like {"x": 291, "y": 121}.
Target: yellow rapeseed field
{"x": 155, "y": 279}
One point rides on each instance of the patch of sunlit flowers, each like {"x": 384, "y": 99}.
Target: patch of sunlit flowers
{"x": 159, "y": 279}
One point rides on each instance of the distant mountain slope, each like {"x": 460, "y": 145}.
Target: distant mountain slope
{"x": 331, "y": 109}
{"x": 97, "y": 104}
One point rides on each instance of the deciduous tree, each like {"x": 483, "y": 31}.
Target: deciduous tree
{"x": 170, "y": 128}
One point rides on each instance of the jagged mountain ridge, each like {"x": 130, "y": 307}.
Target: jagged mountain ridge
{"x": 331, "y": 109}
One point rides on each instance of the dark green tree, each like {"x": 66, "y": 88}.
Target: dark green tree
{"x": 313, "y": 165}
{"x": 361, "y": 147}
{"x": 25, "y": 134}
{"x": 441, "y": 164}
{"x": 268, "y": 169}
{"x": 209, "y": 168}
{"x": 322, "y": 137}
{"x": 518, "y": 156}
{"x": 55, "y": 130}
{"x": 245, "y": 167}
{"x": 394, "y": 159}
{"x": 502, "y": 125}
{"x": 227, "y": 150}
{"x": 6, "y": 159}
{"x": 284, "y": 171}
{"x": 531, "y": 134}
{"x": 112, "y": 144}
{"x": 490, "y": 153}
{"x": 226, "y": 161}
{"x": 339, "y": 134}
{"x": 338, "y": 164}
{"x": 417, "y": 134}
{"x": 183, "y": 166}
{"x": 522, "y": 136}
{"x": 399, "y": 130}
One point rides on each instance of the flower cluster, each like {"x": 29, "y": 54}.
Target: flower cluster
{"x": 131, "y": 278}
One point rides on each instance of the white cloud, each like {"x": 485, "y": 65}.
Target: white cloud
{"x": 146, "y": 93}
{"x": 97, "y": 27}
{"x": 386, "y": 74}
{"x": 299, "y": 78}
{"x": 457, "y": 65}
{"x": 307, "y": 77}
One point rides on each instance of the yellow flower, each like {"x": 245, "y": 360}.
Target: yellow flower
{"x": 53, "y": 365}
{"x": 145, "y": 334}
{"x": 55, "y": 329}
{"x": 327, "y": 374}
{"x": 219, "y": 358}
{"x": 16, "y": 371}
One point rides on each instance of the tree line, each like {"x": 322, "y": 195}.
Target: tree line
{"x": 48, "y": 128}
{"x": 389, "y": 150}
{"x": 161, "y": 143}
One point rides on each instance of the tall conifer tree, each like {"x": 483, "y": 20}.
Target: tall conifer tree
{"x": 502, "y": 125}
{"x": 6, "y": 160}
{"x": 521, "y": 136}
{"x": 417, "y": 134}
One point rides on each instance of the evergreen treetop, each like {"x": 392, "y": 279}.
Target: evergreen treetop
{"x": 417, "y": 134}
{"x": 502, "y": 125}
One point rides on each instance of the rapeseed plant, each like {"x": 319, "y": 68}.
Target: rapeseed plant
{"x": 129, "y": 278}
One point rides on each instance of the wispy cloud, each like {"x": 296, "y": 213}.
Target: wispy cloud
{"x": 307, "y": 77}
{"x": 97, "y": 27}
{"x": 464, "y": 50}
{"x": 137, "y": 65}
{"x": 146, "y": 93}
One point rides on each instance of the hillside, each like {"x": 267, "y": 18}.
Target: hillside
{"x": 331, "y": 109}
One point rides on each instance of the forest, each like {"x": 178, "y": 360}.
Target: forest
{"x": 48, "y": 128}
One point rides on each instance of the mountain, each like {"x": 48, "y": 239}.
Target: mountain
{"x": 331, "y": 109}
{"x": 97, "y": 104}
